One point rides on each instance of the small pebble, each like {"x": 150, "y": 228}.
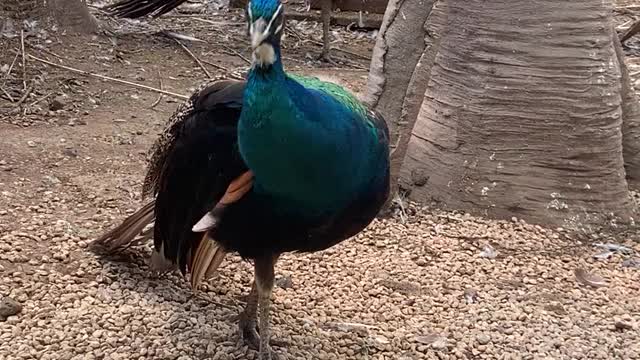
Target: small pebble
{"x": 483, "y": 339}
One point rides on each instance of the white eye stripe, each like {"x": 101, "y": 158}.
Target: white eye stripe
{"x": 250, "y": 18}
{"x": 273, "y": 18}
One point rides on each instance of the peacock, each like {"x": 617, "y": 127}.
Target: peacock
{"x": 272, "y": 164}
{"x": 137, "y": 8}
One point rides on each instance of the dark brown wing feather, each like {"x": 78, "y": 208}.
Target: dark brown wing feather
{"x": 209, "y": 93}
{"x": 138, "y": 8}
{"x": 192, "y": 165}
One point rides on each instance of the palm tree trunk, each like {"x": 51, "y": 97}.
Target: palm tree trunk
{"x": 399, "y": 70}
{"x": 71, "y": 14}
{"x": 74, "y": 15}
{"x": 522, "y": 114}
{"x": 630, "y": 119}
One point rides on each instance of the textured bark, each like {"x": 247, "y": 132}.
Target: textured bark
{"x": 522, "y": 115}
{"x": 74, "y": 15}
{"x": 20, "y": 9}
{"x": 71, "y": 14}
{"x": 399, "y": 71}
{"x": 630, "y": 119}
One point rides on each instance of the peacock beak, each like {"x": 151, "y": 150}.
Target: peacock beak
{"x": 259, "y": 33}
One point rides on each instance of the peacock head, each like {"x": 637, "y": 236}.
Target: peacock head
{"x": 265, "y": 19}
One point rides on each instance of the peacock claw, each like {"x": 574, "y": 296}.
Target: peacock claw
{"x": 325, "y": 57}
{"x": 251, "y": 335}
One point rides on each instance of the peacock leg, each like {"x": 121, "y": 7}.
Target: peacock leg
{"x": 264, "y": 279}
{"x": 248, "y": 319}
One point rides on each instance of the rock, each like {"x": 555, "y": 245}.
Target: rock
{"x": 632, "y": 263}
{"x": 488, "y": 252}
{"x": 622, "y": 325}
{"x": 440, "y": 344}
{"x": 70, "y": 152}
{"x": 284, "y": 282}
{"x": 76, "y": 121}
{"x": 50, "y": 180}
{"x": 421, "y": 262}
{"x": 57, "y": 103}
{"x": 483, "y": 339}
{"x": 9, "y": 307}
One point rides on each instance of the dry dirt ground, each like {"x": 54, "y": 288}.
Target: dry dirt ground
{"x": 71, "y": 165}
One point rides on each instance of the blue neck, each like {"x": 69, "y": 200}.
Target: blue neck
{"x": 299, "y": 141}
{"x": 267, "y": 73}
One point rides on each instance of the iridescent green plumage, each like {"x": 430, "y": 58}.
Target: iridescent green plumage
{"x": 332, "y": 89}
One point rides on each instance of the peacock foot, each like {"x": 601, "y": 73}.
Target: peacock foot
{"x": 326, "y": 57}
{"x": 251, "y": 334}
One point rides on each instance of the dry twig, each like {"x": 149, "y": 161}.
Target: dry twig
{"x": 24, "y": 97}
{"x": 194, "y": 57}
{"x": 225, "y": 23}
{"x": 40, "y": 99}
{"x": 24, "y": 61}
{"x": 16, "y": 106}
{"x": 236, "y": 53}
{"x": 155, "y": 103}
{"x": 632, "y": 30}
{"x": 319, "y": 43}
{"x": 220, "y": 67}
{"x": 7, "y": 94}
{"x": 41, "y": 48}
{"x": 6, "y": 76}
{"x": 86, "y": 73}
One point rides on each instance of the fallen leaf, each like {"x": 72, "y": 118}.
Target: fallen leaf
{"x": 470, "y": 295}
{"x": 603, "y": 255}
{"x": 488, "y": 252}
{"x": 589, "y": 279}
{"x": 633, "y": 263}
{"x": 616, "y": 248}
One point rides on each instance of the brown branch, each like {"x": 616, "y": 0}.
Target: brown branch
{"x": 155, "y": 103}
{"x": 194, "y": 57}
{"x": 225, "y": 23}
{"x": 220, "y": 67}
{"x": 24, "y": 61}
{"x": 24, "y": 97}
{"x": 16, "y": 106}
{"x": 632, "y": 30}
{"x": 86, "y": 73}
{"x": 236, "y": 53}
{"x": 40, "y": 99}
{"x": 319, "y": 43}
{"x": 6, "y": 76}
{"x": 7, "y": 94}
{"x": 41, "y": 48}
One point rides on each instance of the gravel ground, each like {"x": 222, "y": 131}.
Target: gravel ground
{"x": 426, "y": 289}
